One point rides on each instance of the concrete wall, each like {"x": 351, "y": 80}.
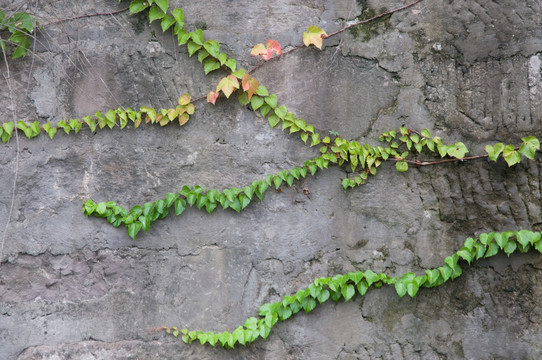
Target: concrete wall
{"x": 75, "y": 287}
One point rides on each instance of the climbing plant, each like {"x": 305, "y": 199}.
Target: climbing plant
{"x": 401, "y": 146}
{"x": 19, "y": 26}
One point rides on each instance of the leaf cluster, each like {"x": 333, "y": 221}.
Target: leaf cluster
{"x": 20, "y": 26}
{"x": 346, "y": 286}
{"x": 119, "y": 117}
{"x": 140, "y": 217}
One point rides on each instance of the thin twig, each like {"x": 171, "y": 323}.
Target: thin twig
{"x": 83, "y": 16}
{"x": 376, "y": 17}
{"x": 13, "y": 105}
{"x": 419, "y": 163}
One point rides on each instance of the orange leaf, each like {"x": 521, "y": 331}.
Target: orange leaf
{"x": 183, "y": 119}
{"x": 185, "y": 99}
{"x": 266, "y": 51}
{"x": 212, "y": 96}
{"x": 227, "y": 85}
{"x": 250, "y": 85}
{"x": 274, "y": 46}
{"x": 315, "y": 36}
{"x": 259, "y": 49}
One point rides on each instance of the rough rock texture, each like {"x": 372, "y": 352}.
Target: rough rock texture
{"x": 76, "y": 288}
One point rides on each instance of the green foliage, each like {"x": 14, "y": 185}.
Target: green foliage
{"x": 140, "y": 217}
{"x": 346, "y": 286}
{"x": 362, "y": 159}
{"x": 20, "y": 25}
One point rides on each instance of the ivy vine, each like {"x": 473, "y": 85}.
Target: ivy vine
{"x": 347, "y": 285}
{"x": 402, "y": 146}
{"x": 20, "y": 26}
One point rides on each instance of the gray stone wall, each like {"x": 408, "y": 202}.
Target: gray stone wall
{"x": 75, "y": 287}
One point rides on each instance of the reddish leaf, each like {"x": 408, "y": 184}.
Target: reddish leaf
{"x": 266, "y": 51}
{"x": 183, "y": 119}
{"x": 259, "y": 49}
{"x": 315, "y": 36}
{"x": 227, "y": 85}
{"x": 212, "y": 96}
{"x": 250, "y": 85}
{"x": 274, "y": 46}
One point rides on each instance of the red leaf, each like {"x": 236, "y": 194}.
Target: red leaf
{"x": 212, "y": 96}
{"x": 266, "y": 51}
{"x": 274, "y": 46}
{"x": 250, "y": 85}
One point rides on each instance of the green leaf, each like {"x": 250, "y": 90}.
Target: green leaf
{"x": 133, "y": 229}
{"x": 192, "y": 47}
{"x": 210, "y": 206}
{"x": 271, "y": 100}
{"x": 236, "y": 205}
{"x": 432, "y": 276}
{"x": 178, "y": 15}
{"x": 244, "y": 200}
{"x": 400, "y": 288}
{"x": 425, "y": 133}
{"x": 262, "y": 91}
{"x": 197, "y": 36}
{"x": 501, "y": 239}
{"x": 510, "y": 247}
{"x": 212, "y": 47}
{"x": 529, "y": 146}
{"x": 401, "y": 166}
{"x": 163, "y": 4}
{"x": 465, "y": 254}
{"x": 51, "y": 131}
{"x": 309, "y": 303}
{"x": 494, "y": 151}
{"x": 191, "y": 198}
{"x": 315, "y": 139}
{"x": 511, "y": 156}
{"x": 526, "y": 237}
{"x": 75, "y": 125}
{"x": 442, "y": 150}
{"x": 137, "y": 6}
{"x": 280, "y": 111}
{"x": 457, "y": 151}
{"x": 256, "y": 102}
{"x": 412, "y": 288}
{"x": 24, "y": 43}
{"x": 231, "y": 64}
{"x": 239, "y": 73}
{"x": 155, "y": 13}
{"x": 264, "y": 110}
{"x": 277, "y": 181}
{"x": 201, "y": 201}
{"x": 210, "y": 65}
{"x": 284, "y": 313}
{"x": 167, "y": 22}
{"x": 446, "y": 272}
{"x": 347, "y": 292}
{"x": 180, "y": 206}
{"x": 110, "y": 118}
{"x": 273, "y": 120}
{"x": 8, "y": 127}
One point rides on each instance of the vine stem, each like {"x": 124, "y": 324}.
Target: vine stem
{"x": 83, "y": 16}
{"x": 7, "y": 76}
{"x": 376, "y": 17}
{"x": 419, "y": 163}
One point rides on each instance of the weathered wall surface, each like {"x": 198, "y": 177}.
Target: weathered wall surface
{"x": 72, "y": 287}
